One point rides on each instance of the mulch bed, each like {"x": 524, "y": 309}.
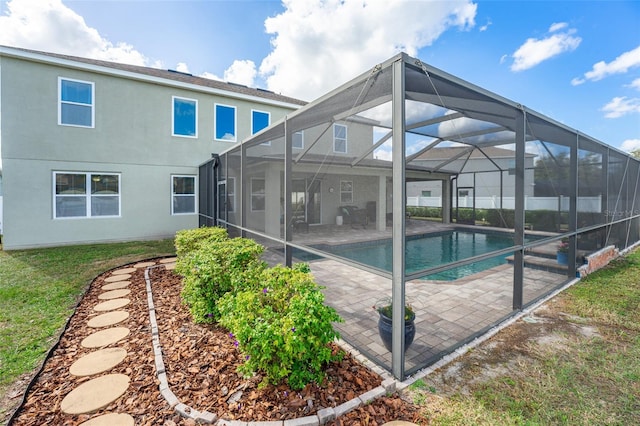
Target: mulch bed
{"x": 201, "y": 363}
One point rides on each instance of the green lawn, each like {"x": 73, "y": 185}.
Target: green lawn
{"x": 585, "y": 380}
{"x": 39, "y": 289}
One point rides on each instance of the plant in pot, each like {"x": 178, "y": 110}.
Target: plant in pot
{"x": 562, "y": 254}
{"x": 385, "y": 327}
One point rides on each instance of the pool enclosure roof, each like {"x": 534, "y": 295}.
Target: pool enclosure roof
{"x": 441, "y": 111}
{"x": 404, "y": 121}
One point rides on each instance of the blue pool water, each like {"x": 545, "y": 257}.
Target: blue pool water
{"x": 429, "y": 250}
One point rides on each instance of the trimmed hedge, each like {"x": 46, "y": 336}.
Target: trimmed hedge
{"x": 190, "y": 240}
{"x": 214, "y": 269}
{"x": 282, "y": 326}
{"x": 276, "y": 316}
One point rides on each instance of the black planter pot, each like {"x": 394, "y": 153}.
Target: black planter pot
{"x": 385, "y": 327}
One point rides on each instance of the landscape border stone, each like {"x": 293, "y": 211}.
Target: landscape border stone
{"x": 322, "y": 417}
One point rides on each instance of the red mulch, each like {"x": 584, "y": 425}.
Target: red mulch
{"x": 201, "y": 364}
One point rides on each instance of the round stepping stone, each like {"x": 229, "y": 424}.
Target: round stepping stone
{"x": 123, "y": 271}
{"x": 112, "y": 304}
{"x": 110, "y": 419}
{"x": 114, "y": 294}
{"x": 105, "y": 337}
{"x": 399, "y": 423}
{"x": 169, "y": 260}
{"x": 170, "y": 266}
{"x": 95, "y": 394}
{"x": 107, "y": 319}
{"x": 97, "y": 361}
{"x": 116, "y": 278}
{"x": 144, "y": 264}
{"x": 115, "y": 286}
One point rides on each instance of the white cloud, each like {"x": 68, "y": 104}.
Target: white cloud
{"x": 557, "y": 26}
{"x": 486, "y": 26}
{"x": 635, "y": 84}
{"x": 318, "y": 44}
{"x": 534, "y": 51}
{"x": 630, "y": 145}
{"x": 182, "y": 67}
{"x": 210, "y": 76}
{"x": 50, "y": 26}
{"x": 241, "y": 72}
{"x": 619, "y": 65}
{"x": 620, "y": 106}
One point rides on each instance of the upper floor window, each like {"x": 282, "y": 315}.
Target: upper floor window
{"x": 76, "y": 102}
{"x": 183, "y": 194}
{"x": 185, "y": 117}
{"x": 86, "y": 195}
{"x": 298, "y": 140}
{"x": 225, "y": 123}
{"x": 259, "y": 120}
{"x": 339, "y": 138}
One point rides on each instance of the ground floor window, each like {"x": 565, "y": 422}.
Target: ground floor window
{"x": 86, "y": 194}
{"x": 346, "y": 191}
{"x": 257, "y": 195}
{"x": 183, "y": 194}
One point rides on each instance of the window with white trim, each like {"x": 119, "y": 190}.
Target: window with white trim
{"x": 183, "y": 194}
{"x": 257, "y": 194}
{"x": 76, "y": 102}
{"x": 298, "y": 140}
{"x": 340, "y": 138}
{"x": 184, "y": 117}
{"x": 86, "y": 195}
{"x": 259, "y": 121}
{"x": 346, "y": 191}
{"x": 225, "y": 123}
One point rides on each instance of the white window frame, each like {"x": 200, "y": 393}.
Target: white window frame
{"x": 301, "y": 133}
{"x": 253, "y": 111}
{"x": 235, "y": 122}
{"x": 346, "y": 149}
{"x": 255, "y": 194}
{"x": 346, "y": 192}
{"x": 61, "y": 102}
{"x": 194, "y": 195}
{"x": 87, "y": 195}
{"x": 173, "y": 117}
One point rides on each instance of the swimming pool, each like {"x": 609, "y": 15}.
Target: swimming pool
{"x": 429, "y": 250}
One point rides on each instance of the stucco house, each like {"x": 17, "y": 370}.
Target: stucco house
{"x": 95, "y": 151}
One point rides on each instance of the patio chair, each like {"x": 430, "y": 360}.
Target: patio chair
{"x": 354, "y": 216}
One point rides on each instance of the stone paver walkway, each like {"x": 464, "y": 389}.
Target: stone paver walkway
{"x": 101, "y": 390}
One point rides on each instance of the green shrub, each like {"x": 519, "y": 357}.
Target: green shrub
{"x": 282, "y": 326}
{"x": 214, "y": 269}
{"x": 424, "y": 211}
{"x": 189, "y": 240}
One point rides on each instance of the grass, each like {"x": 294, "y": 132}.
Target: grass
{"x": 583, "y": 381}
{"x": 39, "y": 289}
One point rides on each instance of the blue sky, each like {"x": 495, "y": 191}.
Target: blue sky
{"x": 575, "y": 61}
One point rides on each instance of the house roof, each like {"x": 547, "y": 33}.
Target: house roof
{"x": 169, "y": 76}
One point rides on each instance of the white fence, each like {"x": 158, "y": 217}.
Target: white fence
{"x": 0, "y": 214}
{"x": 585, "y": 204}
